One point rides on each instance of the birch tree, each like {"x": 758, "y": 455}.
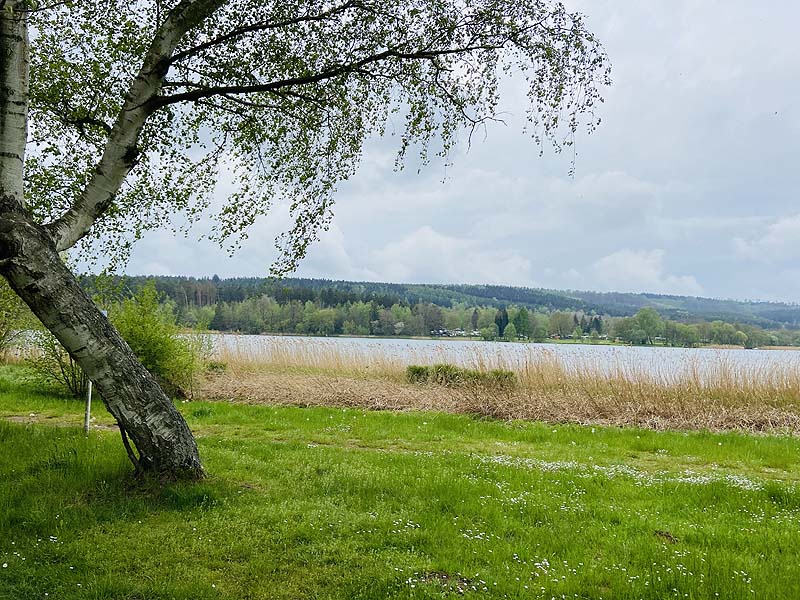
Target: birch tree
{"x": 119, "y": 116}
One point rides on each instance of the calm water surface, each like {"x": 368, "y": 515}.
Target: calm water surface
{"x": 658, "y": 361}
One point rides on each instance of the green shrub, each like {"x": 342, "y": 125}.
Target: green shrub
{"x": 150, "y": 330}
{"x": 416, "y": 374}
{"x": 215, "y": 367}
{"x": 449, "y": 375}
{"x": 501, "y": 378}
{"x": 52, "y": 366}
{"x": 15, "y": 318}
{"x": 452, "y": 376}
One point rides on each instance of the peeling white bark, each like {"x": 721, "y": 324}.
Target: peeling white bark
{"x": 14, "y": 64}
{"x": 29, "y": 259}
{"x": 35, "y": 271}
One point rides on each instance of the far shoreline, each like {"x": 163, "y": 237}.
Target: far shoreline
{"x": 478, "y": 339}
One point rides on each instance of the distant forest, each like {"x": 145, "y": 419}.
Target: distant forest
{"x": 325, "y": 307}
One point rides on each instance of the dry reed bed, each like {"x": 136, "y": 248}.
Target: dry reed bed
{"x": 717, "y": 396}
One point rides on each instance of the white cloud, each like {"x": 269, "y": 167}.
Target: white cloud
{"x": 777, "y": 242}
{"x": 329, "y": 258}
{"x": 428, "y": 256}
{"x": 157, "y": 268}
{"x": 640, "y": 271}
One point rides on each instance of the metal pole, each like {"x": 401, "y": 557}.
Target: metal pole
{"x": 88, "y": 414}
{"x": 88, "y": 408}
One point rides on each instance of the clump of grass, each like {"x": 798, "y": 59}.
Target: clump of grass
{"x": 215, "y": 366}
{"x": 417, "y": 373}
{"x": 453, "y": 375}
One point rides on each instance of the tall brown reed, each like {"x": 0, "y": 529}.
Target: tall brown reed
{"x": 592, "y": 389}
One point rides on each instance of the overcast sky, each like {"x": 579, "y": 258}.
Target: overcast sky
{"x": 689, "y": 186}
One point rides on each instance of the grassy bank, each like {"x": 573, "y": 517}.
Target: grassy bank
{"x": 721, "y": 396}
{"x": 346, "y": 503}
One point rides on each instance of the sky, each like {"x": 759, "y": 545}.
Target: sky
{"x": 689, "y": 186}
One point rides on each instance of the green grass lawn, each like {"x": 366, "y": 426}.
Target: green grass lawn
{"x": 331, "y": 503}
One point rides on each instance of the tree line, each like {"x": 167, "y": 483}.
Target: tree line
{"x": 189, "y": 291}
{"x": 648, "y": 327}
{"x": 308, "y": 307}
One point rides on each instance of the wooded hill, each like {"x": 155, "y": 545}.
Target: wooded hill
{"x": 190, "y": 291}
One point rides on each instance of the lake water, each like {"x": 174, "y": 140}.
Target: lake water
{"x": 662, "y": 362}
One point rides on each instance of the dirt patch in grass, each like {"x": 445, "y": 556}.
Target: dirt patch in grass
{"x": 22, "y": 419}
{"x": 666, "y": 536}
{"x": 56, "y": 420}
{"x": 449, "y": 583}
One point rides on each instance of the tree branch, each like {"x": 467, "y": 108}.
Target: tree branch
{"x": 119, "y": 155}
{"x": 81, "y": 122}
{"x": 262, "y": 26}
{"x": 131, "y": 454}
{"x": 230, "y": 90}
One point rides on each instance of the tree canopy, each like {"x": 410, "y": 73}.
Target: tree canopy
{"x": 138, "y": 109}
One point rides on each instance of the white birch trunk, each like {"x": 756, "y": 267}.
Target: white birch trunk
{"x": 14, "y": 66}
{"x": 29, "y": 260}
{"x": 35, "y": 271}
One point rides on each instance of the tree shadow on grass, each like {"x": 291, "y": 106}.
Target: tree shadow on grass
{"x": 69, "y": 503}
{"x": 52, "y": 476}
